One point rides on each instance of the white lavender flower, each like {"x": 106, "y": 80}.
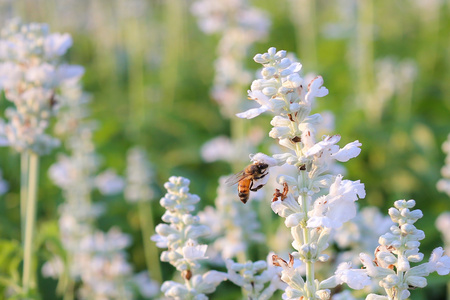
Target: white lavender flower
{"x": 109, "y": 183}
{"x": 310, "y": 217}
{"x": 139, "y": 176}
{"x": 398, "y": 249}
{"x": 31, "y": 74}
{"x": 180, "y": 236}
{"x": 240, "y": 25}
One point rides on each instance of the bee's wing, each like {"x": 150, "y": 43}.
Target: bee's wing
{"x": 235, "y": 178}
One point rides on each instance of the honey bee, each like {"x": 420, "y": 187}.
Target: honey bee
{"x": 247, "y": 179}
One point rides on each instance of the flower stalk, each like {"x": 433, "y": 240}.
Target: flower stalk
{"x": 28, "y": 279}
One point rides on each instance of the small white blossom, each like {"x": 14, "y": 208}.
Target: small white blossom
{"x": 109, "y": 183}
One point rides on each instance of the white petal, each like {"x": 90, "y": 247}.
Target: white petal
{"x": 253, "y": 112}
{"x": 350, "y": 150}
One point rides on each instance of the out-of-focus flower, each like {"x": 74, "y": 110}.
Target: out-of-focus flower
{"x": 109, "y": 183}
{"x": 240, "y": 25}
{"x": 139, "y": 176}
{"x": 147, "y": 287}
{"x": 31, "y": 76}
{"x": 443, "y": 225}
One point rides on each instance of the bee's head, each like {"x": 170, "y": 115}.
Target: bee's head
{"x": 262, "y": 166}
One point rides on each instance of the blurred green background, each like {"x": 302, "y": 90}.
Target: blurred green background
{"x": 150, "y": 70}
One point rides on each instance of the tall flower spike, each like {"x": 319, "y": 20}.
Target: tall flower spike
{"x": 180, "y": 236}
{"x": 240, "y": 25}
{"x": 310, "y": 217}
{"x": 398, "y": 249}
{"x": 139, "y": 176}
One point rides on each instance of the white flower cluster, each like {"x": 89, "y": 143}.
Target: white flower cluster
{"x": 104, "y": 256}
{"x": 232, "y": 224}
{"x": 443, "y": 184}
{"x": 240, "y": 25}
{"x": 259, "y": 279}
{"x": 180, "y": 237}
{"x": 31, "y": 75}
{"x": 398, "y": 249}
{"x": 139, "y": 176}
{"x": 310, "y": 217}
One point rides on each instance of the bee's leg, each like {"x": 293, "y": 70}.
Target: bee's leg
{"x": 256, "y": 188}
{"x": 262, "y": 176}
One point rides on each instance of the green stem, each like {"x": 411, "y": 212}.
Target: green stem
{"x": 147, "y": 229}
{"x": 448, "y": 291}
{"x": 24, "y": 163}
{"x": 28, "y": 278}
{"x": 306, "y": 240}
{"x": 68, "y": 294}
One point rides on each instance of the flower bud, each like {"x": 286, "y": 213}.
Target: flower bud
{"x": 416, "y": 281}
{"x": 410, "y": 203}
{"x": 294, "y": 219}
{"x": 280, "y": 121}
{"x": 269, "y": 91}
{"x": 260, "y": 59}
{"x": 285, "y": 72}
{"x": 272, "y": 51}
{"x": 408, "y": 228}
{"x": 268, "y": 72}
{"x": 259, "y": 265}
{"x": 266, "y": 57}
{"x": 418, "y": 257}
{"x": 412, "y": 244}
{"x": 284, "y": 63}
{"x": 280, "y": 54}
{"x": 403, "y": 264}
{"x": 400, "y": 204}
